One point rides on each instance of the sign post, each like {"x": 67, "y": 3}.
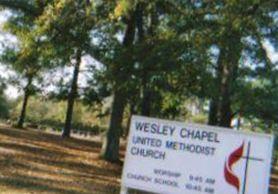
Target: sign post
{"x": 166, "y": 157}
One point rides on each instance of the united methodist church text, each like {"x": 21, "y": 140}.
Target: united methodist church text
{"x": 149, "y": 147}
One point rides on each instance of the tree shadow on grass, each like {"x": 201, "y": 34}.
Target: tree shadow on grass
{"x": 34, "y": 150}
{"x": 27, "y": 183}
{"x": 39, "y": 185}
{"x": 37, "y": 136}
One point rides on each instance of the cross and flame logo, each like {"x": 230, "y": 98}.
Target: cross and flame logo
{"x": 230, "y": 176}
{"x": 234, "y": 157}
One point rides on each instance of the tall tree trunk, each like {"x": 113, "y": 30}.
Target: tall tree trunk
{"x": 214, "y": 106}
{"x": 239, "y": 118}
{"x": 72, "y": 95}
{"x": 146, "y": 102}
{"x": 225, "y": 92}
{"x": 111, "y": 143}
{"x": 131, "y": 112}
{"x": 213, "y": 112}
{"x": 110, "y": 146}
{"x": 146, "y": 89}
{"x": 22, "y": 116}
{"x": 232, "y": 53}
{"x": 21, "y": 119}
{"x": 220, "y": 112}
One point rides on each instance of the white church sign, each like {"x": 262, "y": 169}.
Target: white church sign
{"x": 166, "y": 157}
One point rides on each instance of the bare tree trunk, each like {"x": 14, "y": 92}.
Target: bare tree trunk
{"x": 72, "y": 95}
{"x": 131, "y": 112}
{"x": 216, "y": 98}
{"x": 111, "y": 143}
{"x": 232, "y": 53}
{"x": 110, "y": 146}
{"x": 21, "y": 119}
{"x": 239, "y": 121}
{"x": 146, "y": 102}
{"x": 22, "y": 116}
{"x": 213, "y": 112}
{"x": 225, "y": 92}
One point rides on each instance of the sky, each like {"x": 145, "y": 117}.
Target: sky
{"x": 13, "y": 92}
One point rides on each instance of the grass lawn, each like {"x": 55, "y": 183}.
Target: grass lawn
{"x": 42, "y": 163}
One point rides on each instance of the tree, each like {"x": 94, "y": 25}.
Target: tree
{"x": 110, "y": 146}
{"x": 150, "y": 62}
{"x": 253, "y": 22}
{"x": 233, "y": 28}
{"x": 50, "y": 32}
{"x": 26, "y": 64}
{"x": 66, "y": 25}
{"x": 24, "y": 59}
